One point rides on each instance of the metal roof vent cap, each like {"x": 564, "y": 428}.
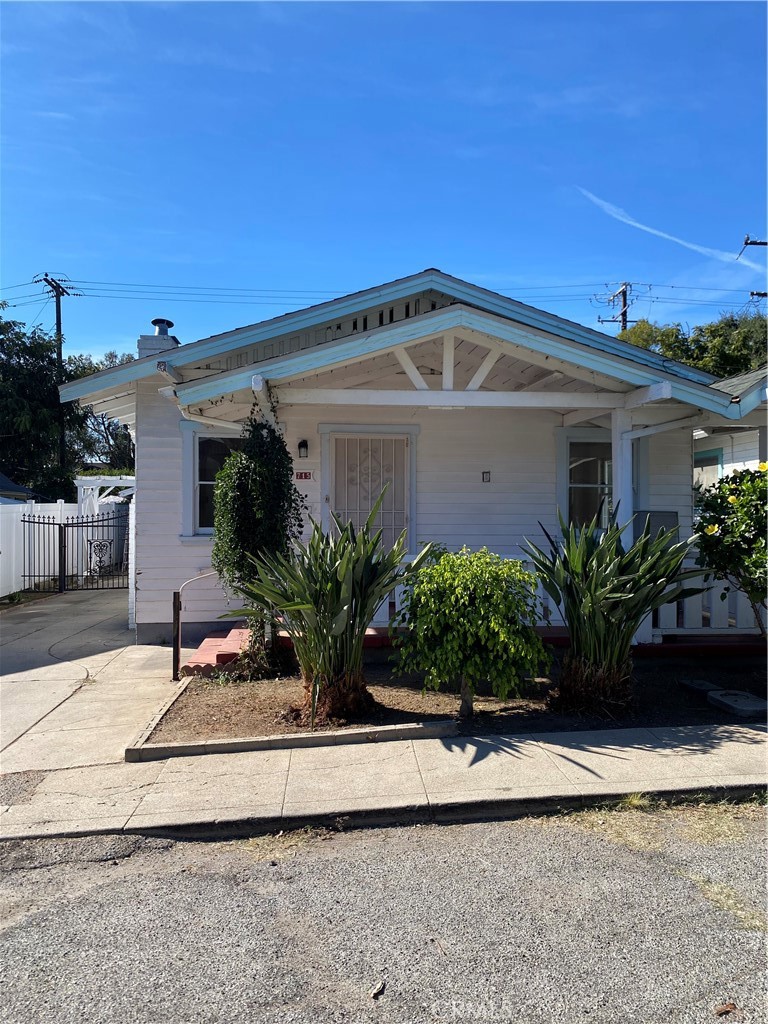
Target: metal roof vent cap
{"x": 162, "y": 326}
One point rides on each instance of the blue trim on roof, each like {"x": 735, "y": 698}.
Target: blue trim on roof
{"x": 302, "y": 319}
{"x": 325, "y": 356}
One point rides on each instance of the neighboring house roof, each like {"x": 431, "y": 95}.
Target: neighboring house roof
{"x": 9, "y": 489}
{"x": 749, "y": 389}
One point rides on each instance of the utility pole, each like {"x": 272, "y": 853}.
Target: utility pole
{"x": 753, "y": 241}
{"x": 621, "y": 295}
{"x": 57, "y": 289}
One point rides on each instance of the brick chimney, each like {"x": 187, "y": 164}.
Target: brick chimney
{"x": 160, "y": 341}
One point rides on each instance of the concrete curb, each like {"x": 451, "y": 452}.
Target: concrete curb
{"x": 140, "y": 750}
{"x": 505, "y": 809}
{"x": 154, "y": 721}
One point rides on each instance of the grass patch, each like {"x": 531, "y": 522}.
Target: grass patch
{"x": 724, "y": 897}
{"x": 278, "y": 846}
{"x": 643, "y": 822}
{"x": 625, "y": 826}
{"x": 714, "y": 823}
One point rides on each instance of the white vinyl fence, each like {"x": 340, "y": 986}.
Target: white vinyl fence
{"x": 12, "y": 538}
{"x": 32, "y": 548}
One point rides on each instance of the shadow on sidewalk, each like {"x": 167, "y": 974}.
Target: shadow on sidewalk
{"x": 615, "y": 744}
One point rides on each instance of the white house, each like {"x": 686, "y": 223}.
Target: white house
{"x": 485, "y": 415}
{"x": 720, "y": 450}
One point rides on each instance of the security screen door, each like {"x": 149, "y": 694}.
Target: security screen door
{"x": 362, "y": 466}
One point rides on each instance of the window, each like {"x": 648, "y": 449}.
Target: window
{"x": 707, "y": 467}
{"x": 589, "y": 481}
{"x": 212, "y": 453}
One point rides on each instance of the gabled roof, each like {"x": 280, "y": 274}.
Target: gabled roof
{"x": 747, "y": 390}
{"x": 743, "y": 383}
{"x": 462, "y": 291}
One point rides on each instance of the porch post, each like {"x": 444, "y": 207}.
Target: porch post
{"x": 621, "y": 452}
{"x": 621, "y": 456}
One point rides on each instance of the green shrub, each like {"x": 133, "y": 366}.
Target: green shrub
{"x": 326, "y": 594}
{"x": 732, "y": 523}
{"x": 604, "y": 593}
{"x": 471, "y": 617}
{"x": 257, "y": 509}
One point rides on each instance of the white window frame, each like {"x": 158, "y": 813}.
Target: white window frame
{"x": 565, "y": 435}
{"x": 328, "y": 431}
{"x": 191, "y": 432}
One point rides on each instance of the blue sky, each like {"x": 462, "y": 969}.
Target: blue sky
{"x": 304, "y": 150}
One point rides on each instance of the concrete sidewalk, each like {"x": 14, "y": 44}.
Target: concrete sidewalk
{"x": 74, "y": 687}
{"x": 76, "y": 691}
{"x": 431, "y": 779}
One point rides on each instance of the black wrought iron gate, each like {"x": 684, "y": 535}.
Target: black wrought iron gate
{"x": 79, "y": 553}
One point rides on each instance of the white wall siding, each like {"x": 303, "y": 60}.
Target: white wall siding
{"x": 670, "y": 476}
{"x": 740, "y": 449}
{"x": 453, "y": 504}
{"x": 165, "y": 560}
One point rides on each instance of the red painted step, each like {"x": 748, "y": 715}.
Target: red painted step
{"x": 216, "y": 649}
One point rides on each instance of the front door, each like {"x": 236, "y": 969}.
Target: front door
{"x": 361, "y": 466}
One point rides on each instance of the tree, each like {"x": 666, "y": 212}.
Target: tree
{"x": 731, "y": 345}
{"x": 732, "y": 524}
{"x": 29, "y": 414}
{"x": 112, "y": 444}
{"x": 472, "y": 620}
{"x": 29, "y": 411}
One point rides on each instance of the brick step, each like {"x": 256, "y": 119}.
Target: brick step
{"x": 223, "y": 648}
{"x": 216, "y": 649}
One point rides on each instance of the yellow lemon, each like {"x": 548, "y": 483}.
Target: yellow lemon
{"x": 762, "y": 466}
{"x": 732, "y": 499}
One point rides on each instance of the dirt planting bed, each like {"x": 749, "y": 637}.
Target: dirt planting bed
{"x": 218, "y": 709}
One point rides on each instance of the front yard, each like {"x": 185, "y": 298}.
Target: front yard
{"x": 222, "y": 708}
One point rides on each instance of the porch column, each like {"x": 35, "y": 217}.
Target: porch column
{"x": 621, "y": 457}
{"x": 621, "y": 452}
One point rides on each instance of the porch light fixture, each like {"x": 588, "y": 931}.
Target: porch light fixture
{"x": 303, "y": 449}
{"x": 700, "y": 434}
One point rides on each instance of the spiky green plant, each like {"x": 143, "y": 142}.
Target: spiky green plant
{"x": 604, "y": 593}
{"x": 326, "y": 594}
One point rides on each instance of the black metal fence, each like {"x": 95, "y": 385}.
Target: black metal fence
{"x": 79, "y": 553}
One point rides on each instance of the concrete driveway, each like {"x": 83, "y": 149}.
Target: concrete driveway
{"x": 69, "y": 665}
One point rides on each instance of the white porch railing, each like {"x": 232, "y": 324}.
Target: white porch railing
{"x": 707, "y": 614}
{"x": 701, "y": 615}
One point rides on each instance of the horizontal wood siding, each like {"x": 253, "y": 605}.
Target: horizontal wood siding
{"x": 453, "y": 504}
{"x": 670, "y": 476}
{"x": 163, "y": 559}
{"x": 740, "y": 450}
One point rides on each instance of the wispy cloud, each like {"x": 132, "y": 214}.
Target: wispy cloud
{"x": 53, "y": 115}
{"x": 251, "y": 60}
{"x": 621, "y": 215}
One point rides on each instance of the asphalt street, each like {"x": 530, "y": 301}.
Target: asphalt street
{"x": 620, "y": 916}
